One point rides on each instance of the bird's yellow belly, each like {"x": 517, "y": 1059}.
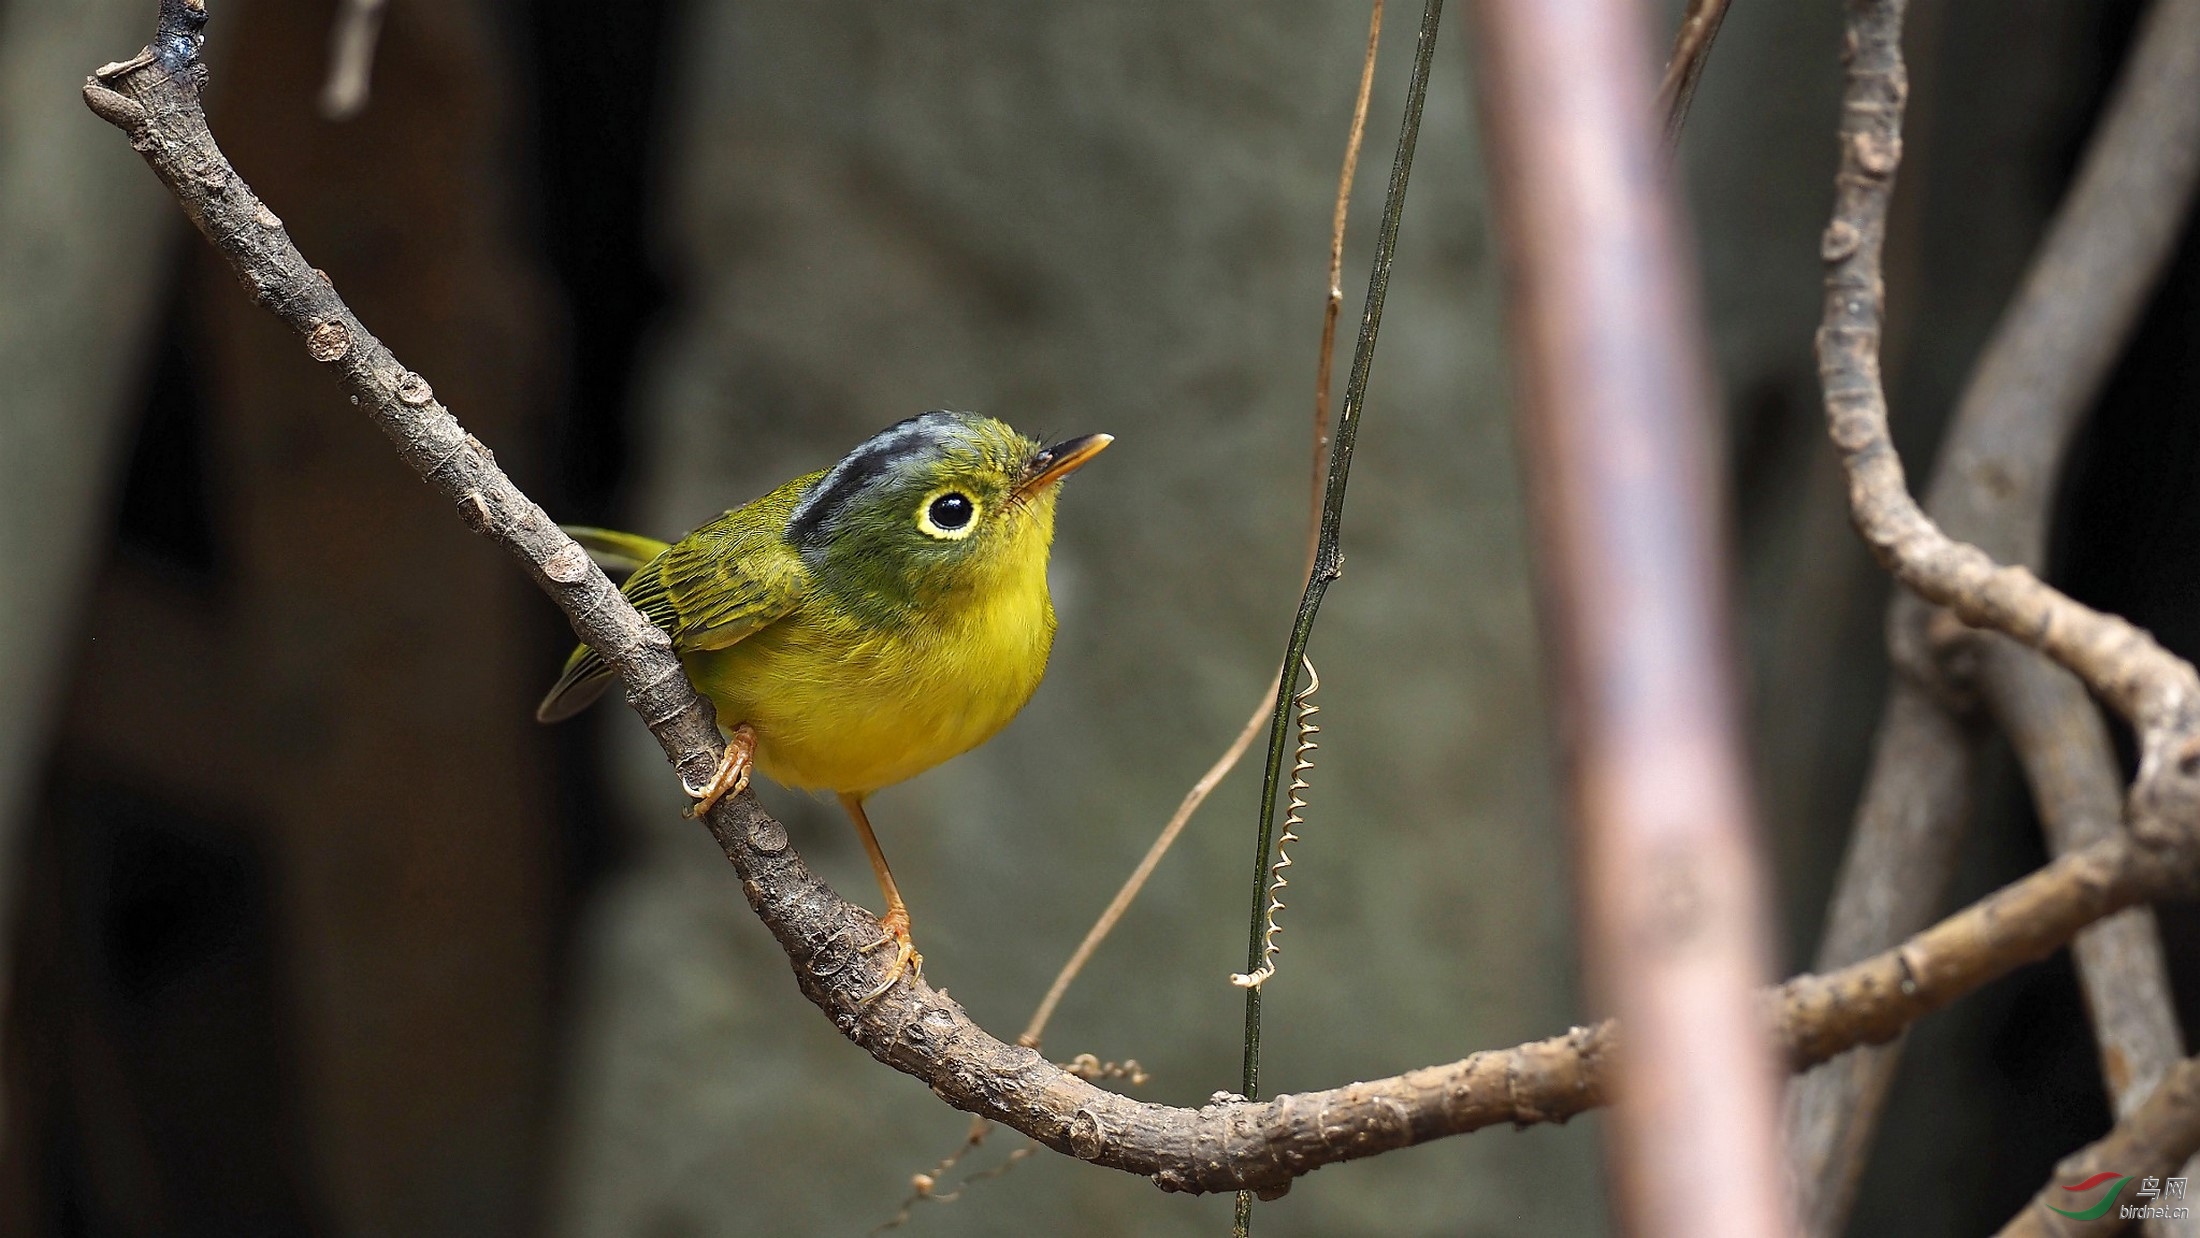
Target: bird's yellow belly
{"x": 838, "y": 708}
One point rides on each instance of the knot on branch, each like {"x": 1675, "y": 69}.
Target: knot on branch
{"x": 2164, "y": 808}
{"x": 1938, "y": 652}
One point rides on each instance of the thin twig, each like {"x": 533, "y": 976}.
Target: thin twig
{"x": 1334, "y": 302}
{"x": 1691, "y": 52}
{"x": 1036, "y": 1029}
{"x": 1100, "y": 929}
{"x": 352, "y": 44}
{"x": 1328, "y": 556}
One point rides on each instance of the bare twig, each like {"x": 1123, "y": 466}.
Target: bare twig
{"x": 2012, "y": 426}
{"x": 1615, "y": 420}
{"x": 1684, "y": 68}
{"x": 1227, "y": 1145}
{"x": 1035, "y": 1031}
{"x": 2152, "y": 1140}
{"x": 1335, "y": 300}
{"x": 352, "y": 43}
{"x": 1328, "y": 561}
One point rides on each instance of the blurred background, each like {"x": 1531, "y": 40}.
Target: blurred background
{"x": 307, "y": 928}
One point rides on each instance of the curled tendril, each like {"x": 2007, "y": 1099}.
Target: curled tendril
{"x": 1294, "y": 818}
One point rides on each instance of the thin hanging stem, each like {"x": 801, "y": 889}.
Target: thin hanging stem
{"x": 1327, "y": 557}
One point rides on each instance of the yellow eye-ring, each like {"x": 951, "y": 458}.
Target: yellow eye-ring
{"x": 949, "y": 515}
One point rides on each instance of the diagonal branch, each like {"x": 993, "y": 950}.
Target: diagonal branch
{"x": 154, "y": 99}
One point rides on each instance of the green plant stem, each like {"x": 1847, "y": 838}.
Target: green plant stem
{"x": 1328, "y": 559}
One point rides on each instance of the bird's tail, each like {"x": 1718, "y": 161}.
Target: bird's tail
{"x": 586, "y": 675}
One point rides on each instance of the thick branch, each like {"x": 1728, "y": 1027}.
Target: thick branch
{"x": 1229, "y": 1145}
{"x": 2153, "y": 1140}
{"x": 1614, "y": 410}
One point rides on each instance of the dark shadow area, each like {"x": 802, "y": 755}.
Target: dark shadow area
{"x": 155, "y": 1088}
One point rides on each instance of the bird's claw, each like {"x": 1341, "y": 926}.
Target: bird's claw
{"x": 907, "y": 961}
{"x": 732, "y": 775}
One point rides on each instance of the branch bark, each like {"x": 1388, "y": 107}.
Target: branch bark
{"x": 1226, "y": 1145}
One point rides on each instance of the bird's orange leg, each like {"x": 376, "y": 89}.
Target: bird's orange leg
{"x": 896, "y": 919}
{"x": 733, "y": 771}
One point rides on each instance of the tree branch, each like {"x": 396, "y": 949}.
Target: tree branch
{"x": 1699, "y": 28}
{"x": 154, "y": 99}
{"x": 1615, "y": 424}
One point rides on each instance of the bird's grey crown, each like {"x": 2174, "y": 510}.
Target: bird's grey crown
{"x": 820, "y": 509}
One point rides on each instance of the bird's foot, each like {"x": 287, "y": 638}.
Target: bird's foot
{"x": 906, "y": 959}
{"x": 732, "y": 776}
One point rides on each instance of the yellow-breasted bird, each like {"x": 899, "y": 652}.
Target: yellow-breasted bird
{"x": 860, "y": 625}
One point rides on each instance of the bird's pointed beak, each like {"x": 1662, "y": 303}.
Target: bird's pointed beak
{"x": 1059, "y": 461}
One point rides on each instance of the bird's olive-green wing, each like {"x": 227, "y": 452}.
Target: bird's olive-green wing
{"x": 708, "y": 590}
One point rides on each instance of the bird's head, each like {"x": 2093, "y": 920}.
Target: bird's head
{"x": 937, "y": 507}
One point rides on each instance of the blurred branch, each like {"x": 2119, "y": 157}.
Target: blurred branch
{"x": 1909, "y": 822}
{"x": 2150, "y": 1141}
{"x": 2079, "y": 299}
{"x": 352, "y": 43}
{"x": 154, "y": 99}
{"x": 1615, "y": 417}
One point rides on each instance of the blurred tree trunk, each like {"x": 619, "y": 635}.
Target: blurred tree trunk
{"x": 395, "y": 806}
{"x": 84, "y": 238}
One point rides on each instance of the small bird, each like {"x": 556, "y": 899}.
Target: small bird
{"x": 860, "y": 625}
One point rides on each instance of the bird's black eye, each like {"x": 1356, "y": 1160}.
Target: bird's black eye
{"x": 951, "y": 511}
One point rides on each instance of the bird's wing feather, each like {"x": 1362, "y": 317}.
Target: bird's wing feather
{"x": 712, "y": 588}
{"x": 614, "y": 551}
